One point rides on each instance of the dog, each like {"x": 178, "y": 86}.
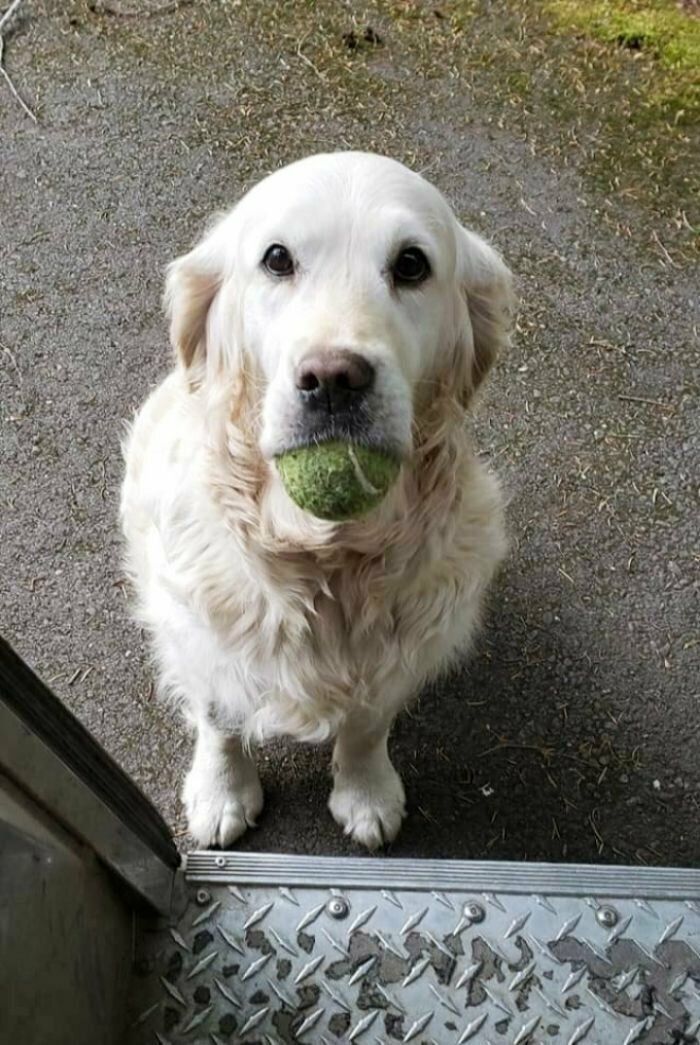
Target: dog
{"x": 346, "y": 275}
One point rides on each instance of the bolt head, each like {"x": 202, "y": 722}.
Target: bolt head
{"x": 474, "y": 912}
{"x": 203, "y": 897}
{"x": 338, "y": 907}
{"x": 607, "y": 917}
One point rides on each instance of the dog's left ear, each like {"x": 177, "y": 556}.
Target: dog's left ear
{"x": 486, "y": 287}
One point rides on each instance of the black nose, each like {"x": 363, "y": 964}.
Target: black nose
{"x": 334, "y": 382}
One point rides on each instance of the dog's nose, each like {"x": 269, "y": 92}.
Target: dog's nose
{"x": 334, "y": 381}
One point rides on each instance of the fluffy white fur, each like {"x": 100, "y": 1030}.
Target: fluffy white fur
{"x": 266, "y": 621}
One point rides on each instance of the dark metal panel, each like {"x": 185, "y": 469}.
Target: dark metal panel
{"x": 66, "y": 934}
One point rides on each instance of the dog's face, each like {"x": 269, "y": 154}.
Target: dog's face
{"x": 346, "y": 285}
{"x": 348, "y": 270}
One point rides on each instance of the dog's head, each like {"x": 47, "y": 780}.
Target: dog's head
{"x": 346, "y": 291}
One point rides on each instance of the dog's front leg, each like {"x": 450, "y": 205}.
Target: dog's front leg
{"x": 368, "y": 798}
{"x": 222, "y": 792}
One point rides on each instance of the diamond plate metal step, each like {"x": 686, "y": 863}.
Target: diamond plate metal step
{"x": 279, "y": 950}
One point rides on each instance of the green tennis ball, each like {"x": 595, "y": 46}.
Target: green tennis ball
{"x": 337, "y": 481}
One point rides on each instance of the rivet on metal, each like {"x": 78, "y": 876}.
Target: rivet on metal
{"x": 474, "y": 912}
{"x": 338, "y": 907}
{"x": 203, "y": 897}
{"x": 607, "y": 917}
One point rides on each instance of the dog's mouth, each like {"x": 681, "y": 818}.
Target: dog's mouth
{"x": 351, "y": 426}
{"x": 366, "y": 432}
{"x": 375, "y": 421}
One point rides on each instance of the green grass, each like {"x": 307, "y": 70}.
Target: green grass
{"x": 611, "y": 87}
{"x": 658, "y": 29}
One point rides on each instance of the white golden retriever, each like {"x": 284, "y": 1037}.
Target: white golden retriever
{"x": 340, "y": 298}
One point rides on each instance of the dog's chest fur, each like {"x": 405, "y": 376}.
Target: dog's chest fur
{"x": 288, "y": 644}
{"x": 272, "y": 638}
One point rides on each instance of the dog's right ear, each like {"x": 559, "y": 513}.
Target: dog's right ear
{"x": 191, "y": 284}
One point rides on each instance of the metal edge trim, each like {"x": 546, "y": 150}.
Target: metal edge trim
{"x": 53, "y": 723}
{"x": 42, "y": 775}
{"x": 443, "y": 875}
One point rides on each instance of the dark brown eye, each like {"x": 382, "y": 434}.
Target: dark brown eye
{"x": 411, "y": 267}
{"x": 278, "y": 261}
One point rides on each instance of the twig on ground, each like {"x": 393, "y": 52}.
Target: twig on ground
{"x": 9, "y": 13}
{"x": 669, "y": 259}
{"x": 541, "y": 749}
{"x": 647, "y": 402}
{"x": 306, "y": 60}
{"x": 527, "y": 207}
{"x": 12, "y": 359}
{"x": 4, "y": 19}
{"x": 112, "y": 7}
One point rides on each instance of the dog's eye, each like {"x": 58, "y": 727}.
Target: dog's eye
{"x": 411, "y": 266}
{"x": 278, "y": 261}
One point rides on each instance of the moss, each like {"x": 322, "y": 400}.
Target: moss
{"x": 619, "y": 99}
{"x": 658, "y": 28}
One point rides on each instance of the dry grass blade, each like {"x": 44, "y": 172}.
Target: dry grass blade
{"x": 112, "y": 7}
{"x": 6, "y": 351}
{"x": 9, "y": 13}
{"x": 6, "y": 76}
{"x": 642, "y": 399}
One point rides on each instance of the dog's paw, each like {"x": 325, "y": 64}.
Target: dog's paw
{"x": 219, "y": 807}
{"x": 369, "y": 806}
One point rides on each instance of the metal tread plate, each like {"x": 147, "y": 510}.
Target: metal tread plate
{"x": 277, "y": 950}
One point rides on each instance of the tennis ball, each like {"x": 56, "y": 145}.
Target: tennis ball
{"x": 336, "y": 480}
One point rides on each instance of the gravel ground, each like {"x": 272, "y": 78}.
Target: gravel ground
{"x": 574, "y": 732}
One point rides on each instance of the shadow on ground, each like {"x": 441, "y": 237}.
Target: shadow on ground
{"x": 527, "y": 753}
